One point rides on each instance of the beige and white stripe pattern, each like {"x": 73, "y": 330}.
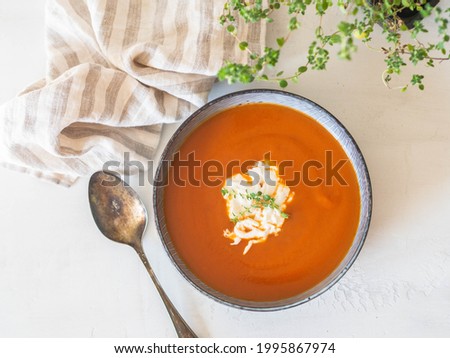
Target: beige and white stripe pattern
{"x": 117, "y": 70}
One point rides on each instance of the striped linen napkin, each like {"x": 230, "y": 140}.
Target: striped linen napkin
{"x": 117, "y": 70}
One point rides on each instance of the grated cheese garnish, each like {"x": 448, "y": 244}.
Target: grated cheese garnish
{"x": 255, "y": 204}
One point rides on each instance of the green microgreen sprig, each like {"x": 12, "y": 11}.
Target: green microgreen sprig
{"x": 257, "y": 200}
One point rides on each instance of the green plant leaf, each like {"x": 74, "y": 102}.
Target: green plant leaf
{"x": 335, "y": 38}
{"x": 243, "y": 45}
{"x": 280, "y": 41}
{"x": 293, "y": 24}
{"x": 283, "y": 83}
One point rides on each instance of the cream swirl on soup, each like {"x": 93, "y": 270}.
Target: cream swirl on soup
{"x": 256, "y": 203}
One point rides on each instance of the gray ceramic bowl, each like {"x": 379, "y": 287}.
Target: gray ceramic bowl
{"x": 333, "y": 126}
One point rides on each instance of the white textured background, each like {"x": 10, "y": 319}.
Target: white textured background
{"x": 60, "y": 278}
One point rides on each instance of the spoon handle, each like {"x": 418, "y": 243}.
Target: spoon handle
{"x": 182, "y": 328}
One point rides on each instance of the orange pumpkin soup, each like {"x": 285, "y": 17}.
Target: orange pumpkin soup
{"x": 319, "y": 222}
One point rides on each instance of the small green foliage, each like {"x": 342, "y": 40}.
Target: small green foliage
{"x": 231, "y": 29}
{"x": 417, "y": 29}
{"x": 335, "y": 39}
{"x": 317, "y": 56}
{"x": 235, "y": 72}
{"x": 283, "y": 83}
{"x": 393, "y": 37}
{"x": 280, "y": 41}
{"x": 417, "y": 54}
{"x": 394, "y": 62}
{"x": 293, "y": 24}
{"x": 416, "y": 80}
{"x": 260, "y": 200}
{"x": 243, "y": 45}
{"x": 347, "y": 48}
{"x": 257, "y": 201}
{"x": 357, "y": 26}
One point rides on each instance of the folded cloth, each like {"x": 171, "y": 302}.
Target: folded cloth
{"x": 117, "y": 70}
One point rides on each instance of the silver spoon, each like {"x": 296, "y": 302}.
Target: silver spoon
{"x": 121, "y": 216}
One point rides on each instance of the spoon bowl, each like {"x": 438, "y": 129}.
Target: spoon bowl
{"x": 117, "y": 210}
{"x": 122, "y": 217}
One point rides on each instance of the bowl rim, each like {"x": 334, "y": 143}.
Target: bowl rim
{"x": 248, "y": 304}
